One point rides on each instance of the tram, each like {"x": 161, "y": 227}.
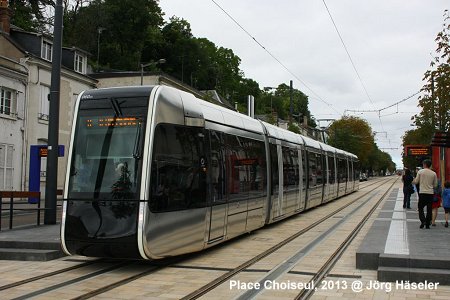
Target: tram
{"x": 154, "y": 172}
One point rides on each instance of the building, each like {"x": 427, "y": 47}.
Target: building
{"x": 25, "y": 77}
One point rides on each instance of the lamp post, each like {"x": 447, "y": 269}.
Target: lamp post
{"x": 267, "y": 89}
{"x": 153, "y": 63}
{"x": 99, "y": 31}
{"x": 270, "y": 90}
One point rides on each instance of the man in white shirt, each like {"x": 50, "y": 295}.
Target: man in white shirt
{"x": 427, "y": 181}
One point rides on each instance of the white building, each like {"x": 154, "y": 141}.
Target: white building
{"x": 25, "y": 77}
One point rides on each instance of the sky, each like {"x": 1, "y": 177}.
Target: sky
{"x": 390, "y": 43}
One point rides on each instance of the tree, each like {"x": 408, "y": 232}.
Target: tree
{"x": 30, "y": 15}
{"x": 124, "y": 26}
{"x": 279, "y": 102}
{"x": 121, "y": 35}
{"x": 200, "y": 63}
{"x": 355, "y": 135}
{"x": 435, "y": 103}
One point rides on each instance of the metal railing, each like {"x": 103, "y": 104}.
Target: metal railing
{"x": 21, "y": 194}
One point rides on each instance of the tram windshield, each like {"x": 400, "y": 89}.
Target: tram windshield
{"x": 107, "y": 149}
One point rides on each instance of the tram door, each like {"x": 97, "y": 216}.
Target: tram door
{"x": 218, "y": 198}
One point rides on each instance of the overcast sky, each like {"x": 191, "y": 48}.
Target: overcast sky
{"x": 389, "y": 41}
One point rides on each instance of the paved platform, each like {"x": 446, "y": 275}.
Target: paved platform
{"x": 400, "y": 250}
{"x": 31, "y": 243}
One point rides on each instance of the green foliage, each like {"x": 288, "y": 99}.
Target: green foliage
{"x": 435, "y": 103}
{"x": 120, "y": 29}
{"x": 355, "y": 135}
{"x": 278, "y": 101}
{"x": 293, "y": 127}
{"x": 29, "y": 15}
{"x": 120, "y": 35}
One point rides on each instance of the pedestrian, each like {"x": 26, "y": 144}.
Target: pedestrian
{"x": 427, "y": 181}
{"x": 446, "y": 201}
{"x": 435, "y": 204}
{"x": 408, "y": 188}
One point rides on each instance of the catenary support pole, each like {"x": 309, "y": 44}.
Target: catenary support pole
{"x": 53, "y": 126}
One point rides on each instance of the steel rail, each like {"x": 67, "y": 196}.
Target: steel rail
{"x": 39, "y": 277}
{"x": 329, "y": 264}
{"x": 218, "y": 281}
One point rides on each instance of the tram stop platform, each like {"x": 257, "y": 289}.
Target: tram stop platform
{"x": 398, "y": 249}
{"x": 37, "y": 243}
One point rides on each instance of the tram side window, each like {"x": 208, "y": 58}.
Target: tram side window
{"x": 346, "y": 170}
{"x": 331, "y": 169}
{"x": 178, "y": 179}
{"x": 274, "y": 171}
{"x": 357, "y": 167}
{"x": 342, "y": 163}
{"x": 324, "y": 171}
{"x": 312, "y": 160}
{"x": 304, "y": 169}
{"x": 256, "y": 159}
{"x": 238, "y": 180}
{"x": 290, "y": 169}
{"x": 320, "y": 174}
{"x": 217, "y": 168}
{"x": 245, "y": 167}
{"x": 350, "y": 167}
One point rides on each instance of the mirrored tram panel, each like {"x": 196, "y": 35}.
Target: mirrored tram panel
{"x": 155, "y": 172}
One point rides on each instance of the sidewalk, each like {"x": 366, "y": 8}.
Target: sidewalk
{"x": 400, "y": 250}
{"x": 31, "y": 243}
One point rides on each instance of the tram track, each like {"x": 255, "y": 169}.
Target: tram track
{"x": 329, "y": 264}
{"x": 15, "y": 289}
{"x": 230, "y": 274}
{"x": 47, "y": 275}
{"x": 148, "y": 270}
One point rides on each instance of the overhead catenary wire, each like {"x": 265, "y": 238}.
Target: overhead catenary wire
{"x": 275, "y": 58}
{"x": 351, "y": 60}
{"x": 378, "y": 111}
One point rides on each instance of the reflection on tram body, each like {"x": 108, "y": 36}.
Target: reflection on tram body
{"x": 154, "y": 172}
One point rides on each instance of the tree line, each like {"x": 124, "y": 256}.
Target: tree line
{"x": 435, "y": 100}
{"x": 121, "y": 35}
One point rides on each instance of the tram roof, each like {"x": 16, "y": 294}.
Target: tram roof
{"x": 283, "y": 134}
{"x": 328, "y": 148}
{"x": 218, "y": 114}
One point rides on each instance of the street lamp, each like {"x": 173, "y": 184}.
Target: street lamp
{"x": 267, "y": 89}
{"x": 153, "y": 63}
{"x": 99, "y": 31}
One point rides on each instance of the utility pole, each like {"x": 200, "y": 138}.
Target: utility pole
{"x": 51, "y": 183}
{"x": 291, "y": 106}
{"x": 99, "y": 32}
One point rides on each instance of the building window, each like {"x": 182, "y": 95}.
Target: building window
{"x": 6, "y": 167}
{"x": 47, "y": 50}
{"x": 44, "y": 103}
{"x": 80, "y": 63}
{"x": 7, "y": 102}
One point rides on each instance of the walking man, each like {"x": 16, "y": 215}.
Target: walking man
{"x": 427, "y": 181}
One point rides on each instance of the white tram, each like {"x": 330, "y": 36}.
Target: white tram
{"x": 155, "y": 172}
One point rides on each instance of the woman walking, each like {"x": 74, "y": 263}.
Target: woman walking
{"x": 408, "y": 189}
